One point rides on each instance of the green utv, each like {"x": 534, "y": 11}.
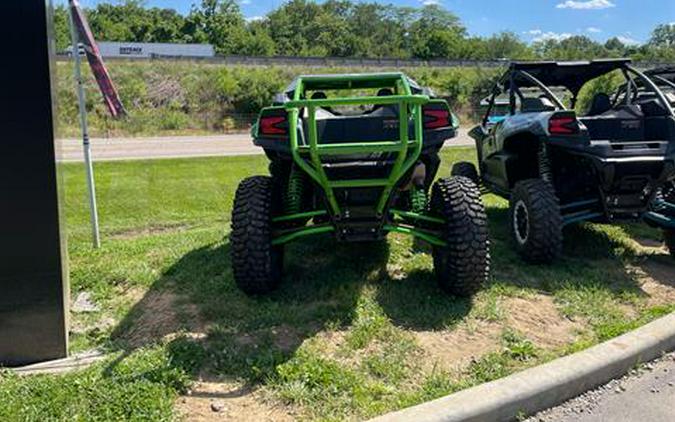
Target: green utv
{"x": 359, "y": 164}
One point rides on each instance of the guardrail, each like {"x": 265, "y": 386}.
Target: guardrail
{"x": 335, "y": 61}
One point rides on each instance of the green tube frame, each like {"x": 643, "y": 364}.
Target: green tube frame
{"x": 309, "y": 156}
{"x": 408, "y": 150}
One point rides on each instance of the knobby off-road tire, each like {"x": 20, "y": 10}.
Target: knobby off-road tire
{"x": 463, "y": 265}
{"x": 466, "y": 169}
{"x": 257, "y": 264}
{"x": 535, "y": 221}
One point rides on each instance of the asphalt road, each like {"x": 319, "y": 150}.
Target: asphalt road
{"x": 110, "y": 149}
{"x": 645, "y": 395}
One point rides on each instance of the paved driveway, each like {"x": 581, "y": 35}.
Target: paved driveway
{"x": 645, "y": 395}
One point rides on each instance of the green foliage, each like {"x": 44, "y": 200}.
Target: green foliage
{"x": 169, "y": 97}
{"x": 61, "y": 28}
{"x": 663, "y": 36}
{"x": 572, "y": 48}
{"x": 343, "y": 28}
{"x": 220, "y": 23}
{"x": 606, "y": 83}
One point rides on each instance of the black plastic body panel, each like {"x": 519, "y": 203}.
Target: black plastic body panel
{"x": 33, "y": 302}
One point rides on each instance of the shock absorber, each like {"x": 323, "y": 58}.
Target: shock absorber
{"x": 295, "y": 191}
{"x": 545, "y": 171}
{"x": 418, "y": 199}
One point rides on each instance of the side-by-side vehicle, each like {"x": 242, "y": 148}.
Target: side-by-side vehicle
{"x": 356, "y": 155}
{"x": 613, "y": 162}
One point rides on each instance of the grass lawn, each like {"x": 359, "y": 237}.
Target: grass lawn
{"x": 353, "y": 332}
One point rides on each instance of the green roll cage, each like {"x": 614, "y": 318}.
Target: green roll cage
{"x": 308, "y": 157}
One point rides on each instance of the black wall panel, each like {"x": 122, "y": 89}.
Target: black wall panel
{"x": 33, "y": 280}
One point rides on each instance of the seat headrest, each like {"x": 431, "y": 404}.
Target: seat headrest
{"x": 601, "y": 103}
{"x": 535, "y": 105}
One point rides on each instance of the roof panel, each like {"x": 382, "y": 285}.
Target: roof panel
{"x": 571, "y": 74}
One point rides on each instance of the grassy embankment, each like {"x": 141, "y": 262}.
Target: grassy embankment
{"x": 175, "y": 98}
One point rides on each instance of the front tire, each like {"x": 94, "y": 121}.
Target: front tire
{"x": 462, "y": 266}
{"x": 535, "y": 221}
{"x": 256, "y": 264}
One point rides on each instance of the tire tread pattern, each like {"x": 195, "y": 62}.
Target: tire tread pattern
{"x": 256, "y": 263}
{"x": 463, "y": 265}
{"x": 545, "y": 240}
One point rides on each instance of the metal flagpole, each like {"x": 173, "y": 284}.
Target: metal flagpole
{"x": 91, "y": 187}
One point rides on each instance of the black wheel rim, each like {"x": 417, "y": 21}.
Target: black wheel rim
{"x": 521, "y": 222}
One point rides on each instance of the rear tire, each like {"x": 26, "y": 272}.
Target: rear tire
{"x": 535, "y": 221}
{"x": 257, "y": 264}
{"x": 462, "y": 266}
{"x": 466, "y": 169}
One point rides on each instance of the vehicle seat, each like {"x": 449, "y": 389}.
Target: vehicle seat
{"x": 320, "y": 95}
{"x": 384, "y": 92}
{"x": 600, "y": 104}
{"x": 536, "y": 105}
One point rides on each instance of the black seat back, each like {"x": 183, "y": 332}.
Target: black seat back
{"x": 536, "y": 105}
{"x": 624, "y": 123}
{"x": 601, "y": 103}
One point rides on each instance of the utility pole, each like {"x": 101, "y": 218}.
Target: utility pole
{"x": 86, "y": 145}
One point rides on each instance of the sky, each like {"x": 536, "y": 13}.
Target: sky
{"x": 630, "y": 20}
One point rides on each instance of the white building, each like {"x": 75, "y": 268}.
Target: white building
{"x": 147, "y": 50}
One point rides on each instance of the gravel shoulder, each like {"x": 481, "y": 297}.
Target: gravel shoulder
{"x": 646, "y": 393}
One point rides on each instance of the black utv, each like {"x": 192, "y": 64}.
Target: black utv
{"x": 615, "y": 162}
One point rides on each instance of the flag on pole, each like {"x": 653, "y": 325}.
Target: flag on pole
{"x": 110, "y": 95}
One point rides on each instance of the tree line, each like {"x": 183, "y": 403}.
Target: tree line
{"x": 342, "y": 28}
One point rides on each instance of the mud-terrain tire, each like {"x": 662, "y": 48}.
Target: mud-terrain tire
{"x": 257, "y": 265}
{"x": 535, "y": 222}
{"x": 462, "y": 266}
{"x": 466, "y": 169}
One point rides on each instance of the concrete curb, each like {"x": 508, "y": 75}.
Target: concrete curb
{"x": 547, "y": 385}
{"x": 58, "y": 366}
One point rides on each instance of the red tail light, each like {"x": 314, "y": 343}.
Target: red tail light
{"x": 563, "y": 125}
{"x": 436, "y": 117}
{"x": 272, "y": 125}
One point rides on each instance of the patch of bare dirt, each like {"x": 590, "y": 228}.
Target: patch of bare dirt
{"x": 284, "y": 337}
{"x": 657, "y": 279}
{"x": 535, "y": 317}
{"x": 649, "y": 243}
{"x": 538, "y": 319}
{"x": 160, "y": 314}
{"x": 229, "y": 401}
{"x": 456, "y": 348}
{"x": 148, "y": 231}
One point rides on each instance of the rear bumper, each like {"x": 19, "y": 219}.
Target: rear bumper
{"x": 628, "y": 184}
